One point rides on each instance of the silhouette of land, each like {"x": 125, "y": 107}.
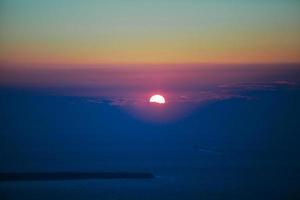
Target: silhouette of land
{"x": 48, "y": 176}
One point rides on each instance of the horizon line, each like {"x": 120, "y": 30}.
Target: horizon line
{"x": 104, "y": 65}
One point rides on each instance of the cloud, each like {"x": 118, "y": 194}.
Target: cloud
{"x": 219, "y": 93}
{"x": 196, "y": 97}
{"x": 285, "y": 82}
{"x": 261, "y": 86}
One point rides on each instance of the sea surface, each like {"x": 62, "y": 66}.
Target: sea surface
{"x": 226, "y": 141}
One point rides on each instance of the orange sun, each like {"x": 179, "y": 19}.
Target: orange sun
{"x": 157, "y": 99}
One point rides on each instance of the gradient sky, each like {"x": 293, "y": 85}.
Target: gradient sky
{"x": 143, "y": 31}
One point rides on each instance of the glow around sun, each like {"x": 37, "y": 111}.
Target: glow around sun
{"x": 157, "y": 99}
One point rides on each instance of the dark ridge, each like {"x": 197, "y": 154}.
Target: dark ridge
{"x": 56, "y": 176}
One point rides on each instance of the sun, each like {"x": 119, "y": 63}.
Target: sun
{"x": 157, "y": 99}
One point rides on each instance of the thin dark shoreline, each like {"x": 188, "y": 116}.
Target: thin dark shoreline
{"x": 56, "y": 176}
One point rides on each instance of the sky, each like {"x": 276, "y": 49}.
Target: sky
{"x": 149, "y": 32}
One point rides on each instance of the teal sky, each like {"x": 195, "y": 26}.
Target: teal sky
{"x": 157, "y": 31}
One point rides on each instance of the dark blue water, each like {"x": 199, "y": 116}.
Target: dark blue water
{"x": 241, "y": 147}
